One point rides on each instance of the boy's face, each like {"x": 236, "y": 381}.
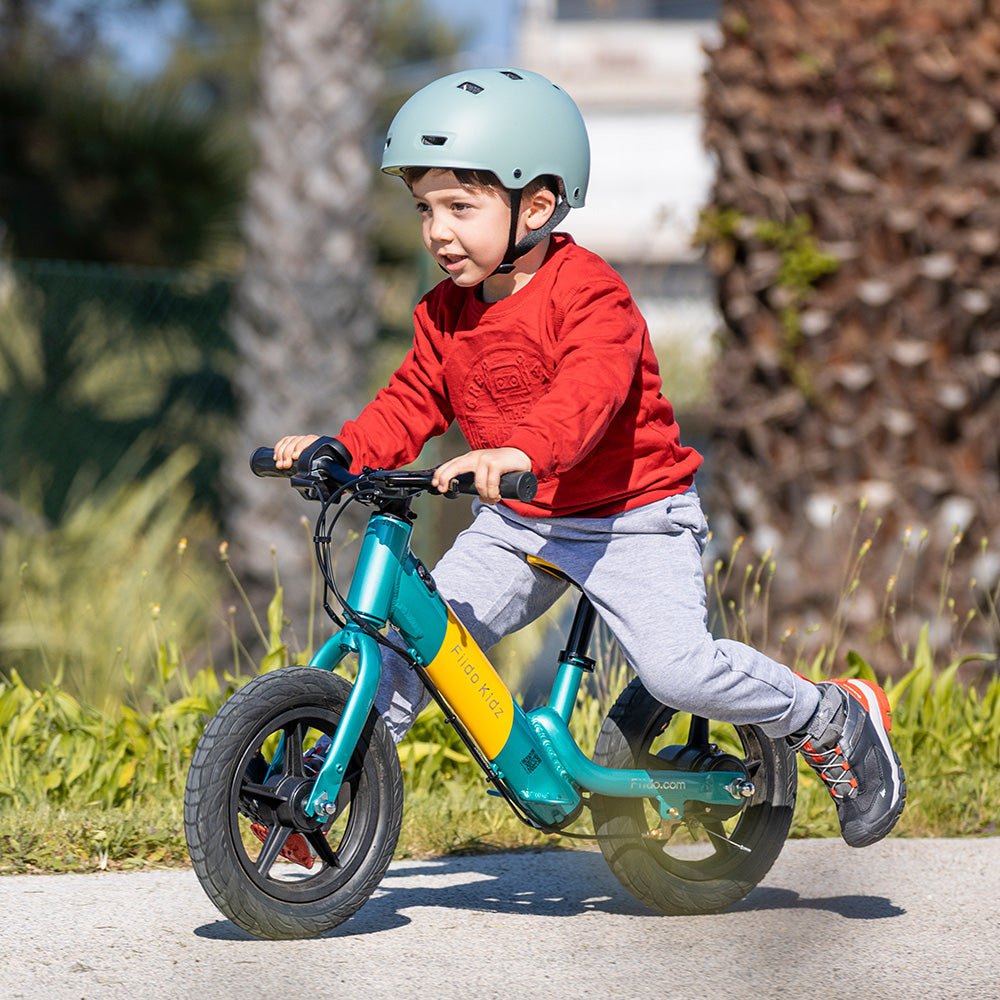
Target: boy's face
{"x": 464, "y": 229}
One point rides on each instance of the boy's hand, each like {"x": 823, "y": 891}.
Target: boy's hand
{"x": 488, "y": 465}
{"x": 289, "y": 448}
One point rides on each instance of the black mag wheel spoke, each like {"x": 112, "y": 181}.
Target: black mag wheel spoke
{"x": 322, "y": 847}
{"x": 291, "y": 761}
{"x": 264, "y": 793}
{"x": 276, "y": 837}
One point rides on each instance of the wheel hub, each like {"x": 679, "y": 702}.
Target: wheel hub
{"x": 290, "y": 811}
{"x": 703, "y": 759}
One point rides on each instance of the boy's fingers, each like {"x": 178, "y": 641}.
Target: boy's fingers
{"x": 488, "y": 484}
{"x": 288, "y": 449}
{"x": 441, "y": 480}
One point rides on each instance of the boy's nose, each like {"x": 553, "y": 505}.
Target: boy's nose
{"x": 437, "y": 230}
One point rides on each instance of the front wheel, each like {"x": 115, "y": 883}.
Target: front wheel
{"x": 711, "y": 857}
{"x": 267, "y": 865}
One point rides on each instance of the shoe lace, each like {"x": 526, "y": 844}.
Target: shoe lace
{"x": 832, "y": 766}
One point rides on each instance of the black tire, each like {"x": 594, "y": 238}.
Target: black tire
{"x": 238, "y": 778}
{"x": 693, "y": 868}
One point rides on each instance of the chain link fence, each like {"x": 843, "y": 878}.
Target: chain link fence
{"x": 100, "y": 363}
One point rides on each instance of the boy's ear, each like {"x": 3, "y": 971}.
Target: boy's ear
{"x": 539, "y": 208}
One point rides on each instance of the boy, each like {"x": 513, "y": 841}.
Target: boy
{"x": 535, "y": 347}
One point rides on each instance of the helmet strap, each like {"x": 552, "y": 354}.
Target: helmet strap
{"x": 515, "y": 249}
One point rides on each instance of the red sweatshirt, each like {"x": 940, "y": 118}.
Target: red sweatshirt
{"x": 562, "y": 369}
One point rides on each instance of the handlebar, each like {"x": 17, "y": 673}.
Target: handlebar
{"x": 513, "y": 486}
{"x": 324, "y": 471}
{"x": 262, "y": 464}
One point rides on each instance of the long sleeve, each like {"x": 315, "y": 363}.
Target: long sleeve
{"x": 390, "y": 431}
{"x": 598, "y": 348}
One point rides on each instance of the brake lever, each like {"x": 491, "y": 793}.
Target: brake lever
{"x": 309, "y": 486}
{"x": 323, "y": 481}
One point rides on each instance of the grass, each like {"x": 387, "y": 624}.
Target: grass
{"x": 97, "y": 602}
{"x": 90, "y": 781}
{"x": 122, "y": 810}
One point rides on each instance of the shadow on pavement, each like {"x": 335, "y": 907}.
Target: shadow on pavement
{"x": 851, "y": 907}
{"x": 533, "y": 883}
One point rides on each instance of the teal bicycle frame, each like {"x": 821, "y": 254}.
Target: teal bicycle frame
{"x": 531, "y": 757}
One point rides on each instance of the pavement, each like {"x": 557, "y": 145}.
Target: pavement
{"x": 903, "y": 919}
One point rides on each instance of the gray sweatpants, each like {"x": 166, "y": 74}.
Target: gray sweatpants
{"x": 643, "y": 572}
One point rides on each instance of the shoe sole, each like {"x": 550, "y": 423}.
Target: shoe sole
{"x": 877, "y": 705}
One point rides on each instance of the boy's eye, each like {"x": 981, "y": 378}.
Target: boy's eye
{"x": 422, "y": 206}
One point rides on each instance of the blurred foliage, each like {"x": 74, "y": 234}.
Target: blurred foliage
{"x": 89, "y": 174}
{"x": 94, "y": 166}
{"x": 63, "y": 34}
{"x": 92, "y": 360}
{"x": 101, "y": 603}
{"x": 214, "y": 61}
{"x": 98, "y": 168}
{"x": 215, "y": 58}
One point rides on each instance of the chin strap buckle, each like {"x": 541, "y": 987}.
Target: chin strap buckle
{"x": 515, "y": 250}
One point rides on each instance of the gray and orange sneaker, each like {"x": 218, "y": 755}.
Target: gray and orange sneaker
{"x": 847, "y": 744}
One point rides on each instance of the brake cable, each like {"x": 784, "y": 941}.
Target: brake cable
{"x": 322, "y": 541}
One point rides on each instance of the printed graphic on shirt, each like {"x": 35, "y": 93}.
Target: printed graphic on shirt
{"x": 501, "y": 387}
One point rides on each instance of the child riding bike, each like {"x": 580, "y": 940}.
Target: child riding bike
{"x": 535, "y": 347}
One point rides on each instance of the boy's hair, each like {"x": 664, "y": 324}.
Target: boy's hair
{"x": 484, "y": 180}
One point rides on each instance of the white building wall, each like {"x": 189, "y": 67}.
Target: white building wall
{"x": 638, "y": 85}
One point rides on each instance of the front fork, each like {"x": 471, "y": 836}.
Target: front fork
{"x": 351, "y": 639}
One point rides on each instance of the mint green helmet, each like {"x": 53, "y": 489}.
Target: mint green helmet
{"x": 515, "y": 123}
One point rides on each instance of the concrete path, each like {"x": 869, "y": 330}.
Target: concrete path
{"x": 904, "y": 919}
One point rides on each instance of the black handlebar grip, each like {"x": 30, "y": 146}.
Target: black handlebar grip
{"x": 519, "y": 486}
{"x": 513, "y": 485}
{"x": 262, "y": 464}
{"x": 262, "y": 459}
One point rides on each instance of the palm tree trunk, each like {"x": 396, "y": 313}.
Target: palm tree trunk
{"x": 854, "y": 232}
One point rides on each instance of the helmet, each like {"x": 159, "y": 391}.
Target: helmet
{"x": 515, "y": 123}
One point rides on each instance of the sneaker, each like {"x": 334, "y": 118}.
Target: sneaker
{"x": 312, "y": 759}
{"x": 847, "y": 744}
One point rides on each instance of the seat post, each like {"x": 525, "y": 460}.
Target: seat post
{"x": 581, "y": 630}
{"x": 573, "y": 660}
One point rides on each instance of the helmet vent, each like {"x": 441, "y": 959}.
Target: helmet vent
{"x": 434, "y": 140}
{"x": 511, "y": 74}
{"x": 472, "y": 88}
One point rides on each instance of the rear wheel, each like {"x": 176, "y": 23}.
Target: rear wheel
{"x": 250, "y": 777}
{"x": 713, "y": 856}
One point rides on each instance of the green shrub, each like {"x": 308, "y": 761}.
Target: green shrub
{"x": 107, "y": 598}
